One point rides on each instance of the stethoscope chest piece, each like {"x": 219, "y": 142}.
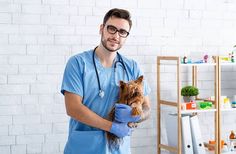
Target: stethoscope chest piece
{"x": 101, "y": 93}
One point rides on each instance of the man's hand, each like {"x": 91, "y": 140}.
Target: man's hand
{"x": 123, "y": 114}
{"x": 120, "y": 129}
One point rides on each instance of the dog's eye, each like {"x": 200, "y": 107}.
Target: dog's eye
{"x": 135, "y": 93}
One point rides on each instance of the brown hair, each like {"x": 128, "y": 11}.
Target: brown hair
{"x": 118, "y": 13}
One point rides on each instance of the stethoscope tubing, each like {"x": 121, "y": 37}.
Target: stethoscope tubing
{"x": 120, "y": 60}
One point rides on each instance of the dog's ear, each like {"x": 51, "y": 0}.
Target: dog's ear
{"x": 122, "y": 85}
{"x": 139, "y": 80}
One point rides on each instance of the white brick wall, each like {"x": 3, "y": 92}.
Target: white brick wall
{"x": 38, "y": 36}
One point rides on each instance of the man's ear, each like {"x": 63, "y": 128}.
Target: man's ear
{"x": 101, "y": 28}
{"x": 139, "y": 80}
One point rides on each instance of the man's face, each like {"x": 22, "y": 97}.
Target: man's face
{"x": 112, "y": 39}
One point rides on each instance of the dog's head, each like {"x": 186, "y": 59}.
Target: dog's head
{"x": 131, "y": 93}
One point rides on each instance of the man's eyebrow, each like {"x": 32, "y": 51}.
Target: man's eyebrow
{"x": 123, "y": 29}
{"x": 117, "y": 28}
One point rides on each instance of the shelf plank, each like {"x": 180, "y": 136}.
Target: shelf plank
{"x": 197, "y": 111}
{"x": 227, "y": 64}
{"x": 168, "y": 57}
{"x": 169, "y": 148}
{"x": 199, "y": 64}
{"x": 229, "y": 109}
{"x": 168, "y": 103}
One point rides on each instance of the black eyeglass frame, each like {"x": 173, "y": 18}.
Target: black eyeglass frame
{"x": 116, "y": 30}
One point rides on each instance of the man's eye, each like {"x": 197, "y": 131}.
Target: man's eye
{"x": 112, "y": 29}
{"x": 123, "y": 32}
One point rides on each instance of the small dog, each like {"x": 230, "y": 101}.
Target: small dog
{"x": 131, "y": 94}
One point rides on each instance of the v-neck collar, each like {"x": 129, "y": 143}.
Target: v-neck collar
{"x": 99, "y": 64}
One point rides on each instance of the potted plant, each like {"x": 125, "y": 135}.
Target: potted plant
{"x": 188, "y": 93}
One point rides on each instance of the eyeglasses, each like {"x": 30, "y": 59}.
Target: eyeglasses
{"x": 112, "y": 30}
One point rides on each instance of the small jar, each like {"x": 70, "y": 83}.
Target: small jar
{"x": 225, "y": 148}
{"x": 232, "y": 135}
{"x": 233, "y": 104}
{"x": 185, "y": 60}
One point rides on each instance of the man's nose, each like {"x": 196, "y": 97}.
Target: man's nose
{"x": 117, "y": 34}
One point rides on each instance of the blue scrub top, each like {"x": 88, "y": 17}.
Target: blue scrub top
{"x": 80, "y": 78}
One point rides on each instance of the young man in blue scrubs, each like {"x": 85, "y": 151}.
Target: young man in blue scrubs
{"x": 91, "y": 88}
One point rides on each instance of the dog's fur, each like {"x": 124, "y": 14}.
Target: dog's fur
{"x": 131, "y": 94}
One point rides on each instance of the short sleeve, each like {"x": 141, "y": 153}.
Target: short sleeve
{"x": 137, "y": 73}
{"x": 73, "y": 76}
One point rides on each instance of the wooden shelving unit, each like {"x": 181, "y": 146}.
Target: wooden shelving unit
{"x": 177, "y": 104}
{"x": 220, "y": 110}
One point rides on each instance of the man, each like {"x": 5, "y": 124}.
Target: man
{"x": 91, "y": 87}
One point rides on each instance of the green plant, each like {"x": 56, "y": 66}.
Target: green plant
{"x": 189, "y": 91}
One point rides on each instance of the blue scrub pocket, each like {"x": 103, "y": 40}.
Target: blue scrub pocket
{"x": 86, "y": 142}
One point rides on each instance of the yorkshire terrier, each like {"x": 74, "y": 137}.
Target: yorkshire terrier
{"x": 131, "y": 94}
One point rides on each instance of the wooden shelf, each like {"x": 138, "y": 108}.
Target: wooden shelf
{"x": 198, "y": 64}
{"x": 223, "y": 64}
{"x": 176, "y": 61}
{"x": 229, "y": 109}
{"x": 197, "y": 111}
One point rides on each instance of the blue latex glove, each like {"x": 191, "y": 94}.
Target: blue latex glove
{"x": 120, "y": 129}
{"x": 123, "y": 114}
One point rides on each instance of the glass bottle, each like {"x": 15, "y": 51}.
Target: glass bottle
{"x": 232, "y": 135}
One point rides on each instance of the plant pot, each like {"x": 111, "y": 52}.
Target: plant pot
{"x": 188, "y": 98}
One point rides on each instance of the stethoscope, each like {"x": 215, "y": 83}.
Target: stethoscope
{"x": 120, "y": 60}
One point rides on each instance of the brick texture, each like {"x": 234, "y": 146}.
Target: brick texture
{"x": 38, "y": 36}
